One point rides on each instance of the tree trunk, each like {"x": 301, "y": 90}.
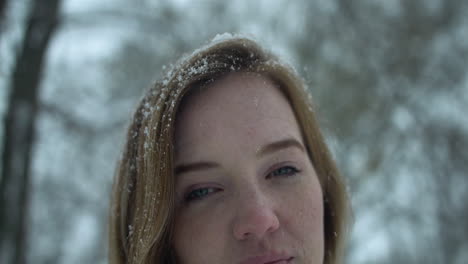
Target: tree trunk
{"x": 19, "y": 130}
{"x": 2, "y": 7}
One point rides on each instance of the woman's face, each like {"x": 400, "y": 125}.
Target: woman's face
{"x": 246, "y": 190}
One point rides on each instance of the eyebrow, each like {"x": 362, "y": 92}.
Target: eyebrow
{"x": 279, "y": 145}
{"x": 196, "y": 166}
{"x": 262, "y": 151}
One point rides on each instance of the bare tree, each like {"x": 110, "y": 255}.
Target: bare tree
{"x": 2, "y": 8}
{"x": 19, "y": 130}
{"x": 386, "y": 63}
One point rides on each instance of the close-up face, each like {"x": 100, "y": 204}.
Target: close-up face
{"x": 246, "y": 190}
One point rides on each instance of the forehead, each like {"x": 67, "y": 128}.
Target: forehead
{"x": 240, "y": 108}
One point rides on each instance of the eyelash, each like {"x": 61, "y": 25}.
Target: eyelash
{"x": 193, "y": 196}
{"x": 285, "y": 171}
{"x": 201, "y": 193}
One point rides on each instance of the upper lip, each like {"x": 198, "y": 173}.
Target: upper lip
{"x": 266, "y": 259}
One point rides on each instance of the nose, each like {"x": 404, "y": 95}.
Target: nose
{"x": 255, "y": 217}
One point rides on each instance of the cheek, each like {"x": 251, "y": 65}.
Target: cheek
{"x": 314, "y": 205}
{"x": 308, "y": 209}
{"x": 313, "y": 213}
{"x": 305, "y": 218}
{"x": 199, "y": 239}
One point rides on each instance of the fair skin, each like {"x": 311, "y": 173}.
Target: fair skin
{"x": 246, "y": 191}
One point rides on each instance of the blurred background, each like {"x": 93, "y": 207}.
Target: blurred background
{"x": 389, "y": 78}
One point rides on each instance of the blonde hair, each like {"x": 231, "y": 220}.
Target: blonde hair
{"x": 142, "y": 206}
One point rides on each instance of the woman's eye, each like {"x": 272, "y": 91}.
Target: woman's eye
{"x": 284, "y": 171}
{"x": 200, "y": 193}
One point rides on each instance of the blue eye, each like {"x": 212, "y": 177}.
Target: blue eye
{"x": 284, "y": 171}
{"x": 200, "y": 193}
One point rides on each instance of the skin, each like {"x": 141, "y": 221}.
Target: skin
{"x": 240, "y": 198}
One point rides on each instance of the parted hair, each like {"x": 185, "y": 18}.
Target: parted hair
{"x": 142, "y": 202}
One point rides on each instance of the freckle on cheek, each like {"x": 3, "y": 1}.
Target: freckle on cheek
{"x": 250, "y": 132}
